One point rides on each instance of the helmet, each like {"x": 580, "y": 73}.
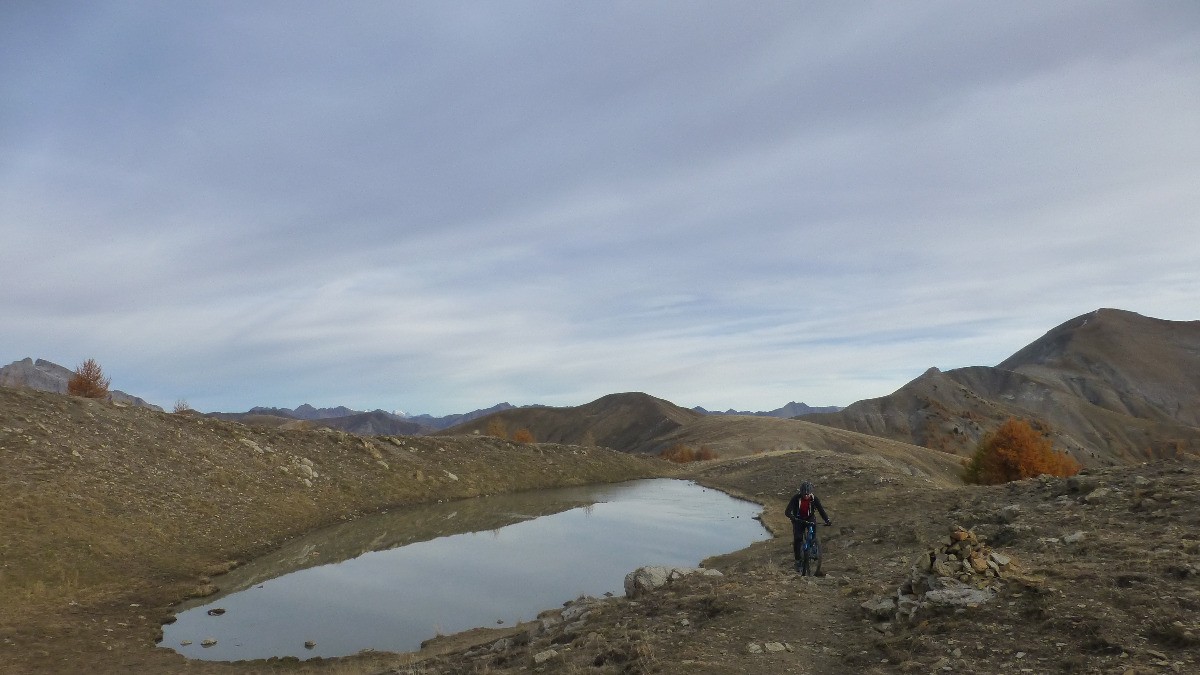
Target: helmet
{"x": 806, "y": 488}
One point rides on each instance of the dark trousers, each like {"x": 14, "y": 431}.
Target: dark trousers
{"x": 799, "y": 529}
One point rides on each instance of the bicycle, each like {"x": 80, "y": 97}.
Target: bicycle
{"x": 810, "y": 550}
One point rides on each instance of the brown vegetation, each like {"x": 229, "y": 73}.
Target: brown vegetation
{"x": 683, "y": 454}
{"x": 496, "y": 427}
{"x": 1015, "y": 451}
{"x": 522, "y": 436}
{"x": 88, "y": 381}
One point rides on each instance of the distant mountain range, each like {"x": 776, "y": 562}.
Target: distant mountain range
{"x": 370, "y": 423}
{"x": 788, "y": 411}
{"x": 1110, "y": 386}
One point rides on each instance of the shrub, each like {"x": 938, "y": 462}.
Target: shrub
{"x": 683, "y": 454}
{"x": 1015, "y": 450}
{"x": 496, "y": 427}
{"x": 522, "y": 436}
{"x": 678, "y": 453}
{"x": 181, "y": 406}
{"x": 88, "y": 381}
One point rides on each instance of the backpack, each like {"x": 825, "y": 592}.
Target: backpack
{"x": 806, "y": 507}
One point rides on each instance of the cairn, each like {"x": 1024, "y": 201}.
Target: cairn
{"x": 960, "y": 571}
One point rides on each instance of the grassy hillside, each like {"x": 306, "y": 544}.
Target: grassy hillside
{"x": 99, "y": 502}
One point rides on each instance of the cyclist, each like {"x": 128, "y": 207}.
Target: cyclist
{"x": 802, "y": 510}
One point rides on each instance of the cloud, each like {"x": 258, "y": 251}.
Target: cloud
{"x": 438, "y": 206}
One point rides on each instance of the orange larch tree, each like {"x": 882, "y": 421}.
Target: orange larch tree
{"x": 88, "y": 381}
{"x": 1014, "y": 451}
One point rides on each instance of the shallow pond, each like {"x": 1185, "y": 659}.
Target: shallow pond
{"x": 390, "y": 581}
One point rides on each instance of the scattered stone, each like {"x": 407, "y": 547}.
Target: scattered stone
{"x": 208, "y": 642}
{"x": 216, "y": 611}
{"x": 774, "y": 647}
{"x": 1098, "y": 496}
{"x": 1074, "y": 537}
{"x": 309, "y": 644}
{"x": 542, "y": 657}
{"x": 754, "y": 648}
{"x": 184, "y": 643}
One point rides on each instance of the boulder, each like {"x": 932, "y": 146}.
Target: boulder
{"x": 645, "y": 579}
{"x": 880, "y": 608}
{"x": 956, "y": 593}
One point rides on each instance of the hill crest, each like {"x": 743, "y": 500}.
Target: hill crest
{"x": 1111, "y": 386}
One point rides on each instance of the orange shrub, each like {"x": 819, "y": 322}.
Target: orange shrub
{"x": 496, "y": 427}
{"x": 682, "y": 454}
{"x": 88, "y": 381}
{"x": 1015, "y": 450}
{"x": 522, "y": 436}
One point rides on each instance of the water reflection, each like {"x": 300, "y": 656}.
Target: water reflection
{"x": 467, "y": 568}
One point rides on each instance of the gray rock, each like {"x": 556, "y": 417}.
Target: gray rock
{"x": 880, "y": 608}
{"x": 1098, "y": 496}
{"x": 542, "y": 657}
{"x": 1074, "y": 537}
{"x": 1008, "y": 514}
{"x": 645, "y": 579}
{"x": 774, "y": 647}
{"x": 956, "y": 593}
{"x": 1081, "y": 483}
{"x": 944, "y": 566}
{"x": 754, "y": 648}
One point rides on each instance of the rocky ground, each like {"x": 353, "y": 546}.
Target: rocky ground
{"x": 1100, "y": 574}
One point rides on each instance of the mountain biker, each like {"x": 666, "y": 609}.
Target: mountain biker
{"x": 802, "y": 510}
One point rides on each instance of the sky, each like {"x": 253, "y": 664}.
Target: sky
{"x": 436, "y": 206}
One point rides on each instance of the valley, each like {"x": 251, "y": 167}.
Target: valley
{"x": 113, "y": 513}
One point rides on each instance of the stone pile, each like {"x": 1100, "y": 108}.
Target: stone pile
{"x": 960, "y": 571}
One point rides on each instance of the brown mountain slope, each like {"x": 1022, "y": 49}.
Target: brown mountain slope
{"x": 1110, "y": 387}
{"x": 640, "y": 423}
{"x": 740, "y": 436}
{"x": 631, "y": 421}
{"x": 1128, "y": 363}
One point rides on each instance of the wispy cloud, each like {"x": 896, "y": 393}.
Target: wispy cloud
{"x": 437, "y": 206}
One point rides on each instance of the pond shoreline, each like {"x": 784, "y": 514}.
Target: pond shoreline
{"x": 476, "y": 553}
